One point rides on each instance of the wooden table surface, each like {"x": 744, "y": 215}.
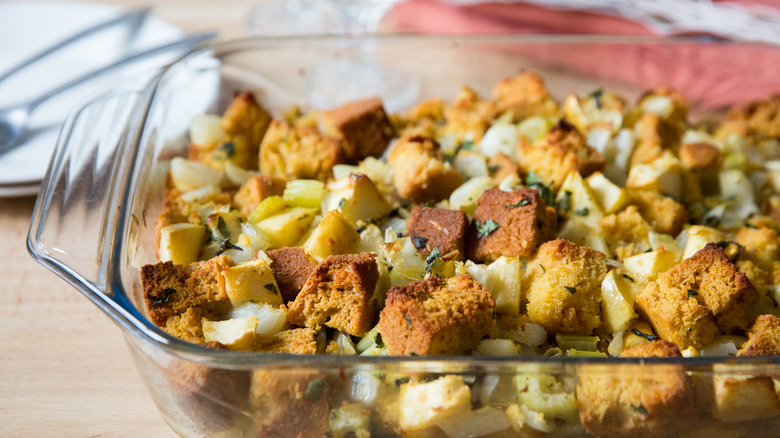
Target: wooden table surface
{"x": 65, "y": 369}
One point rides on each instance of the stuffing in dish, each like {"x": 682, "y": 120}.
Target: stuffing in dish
{"x": 514, "y": 225}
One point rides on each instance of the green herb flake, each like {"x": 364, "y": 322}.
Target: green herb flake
{"x": 639, "y": 409}
{"x": 493, "y": 168}
{"x": 584, "y": 211}
{"x": 650, "y": 337}
{"x": 401, "y": 380}
{"x": 596, "y": 95}
{"x": 408, "y": 319}
{"x": 229, "y": 149}
{"x": 426, "y": 295}
{"x": 226, "y": 245}
{"x": 692, "y": 293}
{"x": 564, "y": 204}
{"x": 378, "y": 341}
{"x": 431, "y": 259}
{"x": 466, "y": 145}
{"x": 342, "y": 201}
{"x": 533, "y": 181}
{"x": 272, "y": 287}
{"x": 751, "y": 226}
{"x": 135, "y": 219}
{"x": 162, "y": 298}
{"x": 771, "y": 297}
{"x": 222, "y": 228}
{"x": 628, "y": 277}
{"x": 485, "y": 228}
{"x": 522, "y": 203}
{"x": 544, "y": 271}
{"x": 419, "y": 242}
{"x": 314, "y": 389}
{"x": 570, "y": 289}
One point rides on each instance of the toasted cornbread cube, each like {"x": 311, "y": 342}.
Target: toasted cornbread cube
{"x": 363, "y": 127}
{"x": 654, "y": 136}
{"x": 562, "y": 151}
{"x": 434, "y": 316}
{"x": 255, "y": 190}
{"x": 437, "y": 227}
{"x": 420, "y": 172}
{"x": 287, "y": 227}
{"x": 291, "y": 267}
{"x": 523, "y": 96}
{"x": 634, "y": 400}
{"x": 626, "y": 232}
{"x": 180, "y": 243}
{"x": 501, "y": 166}
{"x": 761, "y": 117}
{"x": 177, "y": 297}
{"x": 251, "y": 281}
{"x": 334, "y": 235}
{"x": 421, "y": 119}
{"x": 292, "y": 341}
{"x": 424, "y": 404}
{"x": 339, "y": 294}
{"x": 467, "y": 117}
{"x": 292, "y": 151}
{"x": 523, "y": 223}
{"x": 764, "y": 338}
{"x": 356, "y": 198}
{"x": 700, "y": 157}
{"x": 290, "y": 403}
{"x": 564, "y": 287}
{"x": 762, "y": 246}
{"x": 235, "y": 333}
{"x": 741, "y": 398}
{"x": 663, "y": 213}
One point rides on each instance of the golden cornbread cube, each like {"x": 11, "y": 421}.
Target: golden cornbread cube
{"x": 362, "y": 126}
{"x": 562, "y": 151}
{"x": 245, "y": 122}
{"x": 563, "y": 287}
{"x": 635, "y": 400}
{"x": 501, "y": 167}
{"x": 287, "y": 403}
{"x": 663, "y": 213}
{"x": 356, "y": 198}
{"x": 420, "y": 172}
{"x": 523, "y": 96}
{"x": 421, "y": 119}
{"x": 762, "y": 246}
{"x": 763, "y": 338}
{"x": 180, "y": 243}
{"x": 761, "y": 117}
{"x": 722, "y": 289}
{"x": 174, "y": 211}
{"x": 291, "y": 267}
{"x": 654, "y": 136}
{"x": 438, "y": 227}
{"x": 340, "y": 294}
{"x": 626, "y": 232}
{"x": 435, "y": 316}
{"x": 292, "y": 341}
{"x": 197, "y": 290}
{"x": 509, "y": 224}
{"x": 334, "y": 235}
{"x": 255, "y": 190}
{"x": 467, "y": 117}
{"x": 700, "y": 157}
{"x": 298, "y": 151}
{"x": 251, "y": 281}
{"x": 234, "y": 333}
{"x": 670, "y": 104}
{"x": 744, "y": 398}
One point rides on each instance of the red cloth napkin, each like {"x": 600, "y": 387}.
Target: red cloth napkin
{"x": 712, "y": 75}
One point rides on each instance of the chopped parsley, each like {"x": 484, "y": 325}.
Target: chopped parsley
{"x": 135, "y": 219}
{"x": 570, "y": 289}
{"x": 342, "y": 201}
{"x": 644, "y": 335}
{"x": 584, "y": 211}
{"x": 157, "y": 300}
{"x": 521, "y": 203}
{"x": 564, "y": 204}
{"x": 226, "y": 245}
{"x": 408, "y": 320}
{"x": 229, "y": 149}
{"x": 596, "y": 95}
{"x": 493, "y": 168}
{"x": 314, "y": 389}
{"x": 466, "y": 145}
{"x": 639, "y": 409}
{"x": 222, "y": 229}
{"x": 400, "y": 381}
{"x": 378, "y": 341}
{"x": 751, "y": 226}
{"x": 271, "y": 287}
{"x": 431, "y": 260}
{"x": 426, "y": 295}
{"x": 692, "y": 293}
{"x": 628, "y": 277}
{"x": 533, "y": 181}
{"x": 419, "y": 242}
{"x": 485, "y": 228}
{"x": 544, "y": 271}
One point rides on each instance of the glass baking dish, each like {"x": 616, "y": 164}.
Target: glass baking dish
{"x": 93, "y": 225}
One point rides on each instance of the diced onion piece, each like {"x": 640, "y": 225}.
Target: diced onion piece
{"x": 501, "y": 137}
{"x": 497, "y": 347}
{"x": 270, "y": 319}
{"x": 530, "y": 334}
{"x": 471, "y": 424}
{"x": 465, "y": 197}
{"x": 470, "y": 164}
{"x": 190, "y": 175}
{"x": 237, "y": 174}
{"x": 207, "y": 129}
{"x": 365, "y": 387}
{"x": 343, "y": 170}
{"x": 236, "y": 333}
{"x": 533, "y": 129}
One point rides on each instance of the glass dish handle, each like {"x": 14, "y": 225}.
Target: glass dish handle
{"x": 80, "y": 202}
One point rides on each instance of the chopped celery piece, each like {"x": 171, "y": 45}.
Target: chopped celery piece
{"x": 304, "y": 193}
{"x": 577, "y": 342}
{"x": 266, "y": 208}
{"x": 368, "y": 340}
{"x": 579, "y": 353}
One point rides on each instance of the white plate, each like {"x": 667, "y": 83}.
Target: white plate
{"x": 27, "y": 27}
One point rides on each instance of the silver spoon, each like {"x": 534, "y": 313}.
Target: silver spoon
{"x": 14, "y": 121}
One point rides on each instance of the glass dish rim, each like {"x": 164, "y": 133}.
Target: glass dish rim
{"x": 134, "y": 323}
